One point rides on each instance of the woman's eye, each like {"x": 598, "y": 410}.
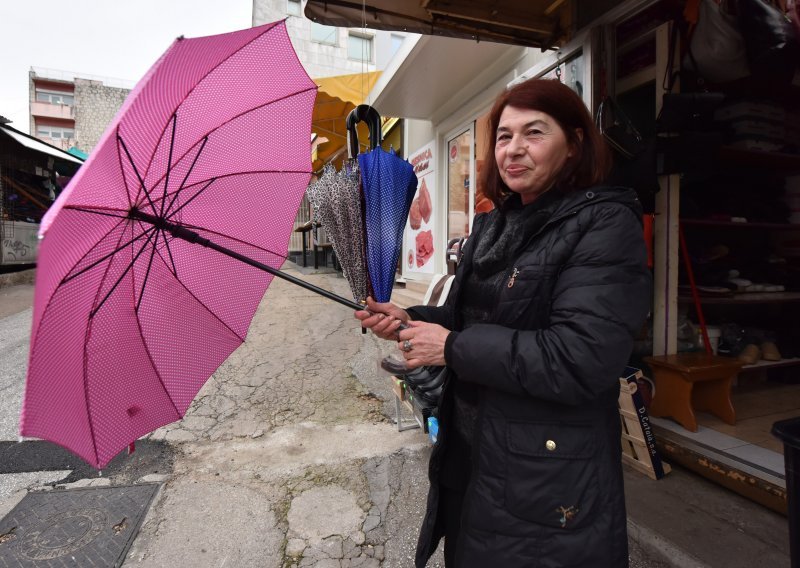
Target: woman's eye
{"x": 534, "y": 132}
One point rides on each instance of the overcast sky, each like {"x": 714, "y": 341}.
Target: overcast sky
{"x": 110, "y": 38}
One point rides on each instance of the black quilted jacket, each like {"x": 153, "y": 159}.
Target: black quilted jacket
{"x": 546, "y": 488}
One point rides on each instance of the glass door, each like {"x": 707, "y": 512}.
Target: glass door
{"x": 460, "y": 193}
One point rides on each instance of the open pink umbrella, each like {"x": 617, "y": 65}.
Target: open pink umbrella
{"x": 132, "y": 315}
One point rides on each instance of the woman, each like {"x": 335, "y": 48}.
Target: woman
{"x": 540, "y": 322}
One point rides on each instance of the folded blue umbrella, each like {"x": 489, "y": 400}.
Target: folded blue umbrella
{"x": 389, "y": 185}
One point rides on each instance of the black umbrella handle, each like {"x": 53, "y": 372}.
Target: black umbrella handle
{"x": 369, "y": 115}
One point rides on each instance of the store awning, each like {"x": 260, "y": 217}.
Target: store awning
{"x": 427, "y": 83}
{"x": 336, "y": 97}
{"x": 533, "y": 23}
{"x": 37, "y": 145}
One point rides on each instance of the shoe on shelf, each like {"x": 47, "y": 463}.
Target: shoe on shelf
{"x": 750, "y": 355}
{"x": 769, "y": 352}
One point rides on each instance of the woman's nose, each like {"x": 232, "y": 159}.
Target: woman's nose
{"x": 515, "y": 145}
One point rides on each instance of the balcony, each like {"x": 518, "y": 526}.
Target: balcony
{"x": 63, "y": 143}
{"x": 49, "y": 110}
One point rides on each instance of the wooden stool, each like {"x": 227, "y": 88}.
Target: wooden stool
{"x": 693, "y": 381}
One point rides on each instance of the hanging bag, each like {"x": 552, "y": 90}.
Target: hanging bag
{"x": 770, "y": 39}
{"x": 618, "y": 130}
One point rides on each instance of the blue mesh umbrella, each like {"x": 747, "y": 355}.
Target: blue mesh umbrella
{"x": 389, "y": 184}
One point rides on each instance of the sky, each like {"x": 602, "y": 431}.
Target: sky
{"x": 108, "y": 38}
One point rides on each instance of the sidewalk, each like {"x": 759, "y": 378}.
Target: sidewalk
{"x": 288, "y": 459}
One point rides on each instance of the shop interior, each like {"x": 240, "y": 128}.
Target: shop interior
{"x": 725, "y": 145}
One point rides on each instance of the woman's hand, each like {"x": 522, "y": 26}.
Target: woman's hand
{"x": 423, "y": 343}
{"x": 382, "y": 319}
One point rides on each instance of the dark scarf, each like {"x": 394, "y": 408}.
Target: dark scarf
{"x": 512, "y": 228}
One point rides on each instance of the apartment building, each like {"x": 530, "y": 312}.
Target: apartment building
{"x": 71, "y": 111}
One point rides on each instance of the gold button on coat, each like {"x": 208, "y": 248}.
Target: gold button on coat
{"x": 550, "y": 445}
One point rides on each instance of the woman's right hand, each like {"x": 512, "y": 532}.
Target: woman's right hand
{"x": 383, "y": 319}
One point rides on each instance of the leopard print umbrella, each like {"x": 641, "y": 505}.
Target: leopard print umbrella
{"x": 336, "y": 197}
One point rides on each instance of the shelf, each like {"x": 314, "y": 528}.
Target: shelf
{"x": 746, "y": 298}
{"x": 715, "y": 223}
{"x": 772, "y": 364}
{"x": 636, "y": 79}
{"x": 756, "y": 159}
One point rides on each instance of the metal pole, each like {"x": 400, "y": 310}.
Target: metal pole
{"x": 193, "y": 237}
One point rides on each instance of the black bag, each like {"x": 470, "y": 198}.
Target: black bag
{"x": 634, "y": 155}
{"x": 770, "y": 40}
{"x": 618, "y": 130}
{"x": 682, "y": 112}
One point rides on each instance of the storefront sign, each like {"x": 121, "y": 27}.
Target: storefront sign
{"x": 418, "y": 241}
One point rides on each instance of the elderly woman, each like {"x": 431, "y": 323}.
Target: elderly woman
{"x": 548, "y": 297}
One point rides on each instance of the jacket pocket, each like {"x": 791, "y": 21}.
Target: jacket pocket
{"x": 552, "y": 473}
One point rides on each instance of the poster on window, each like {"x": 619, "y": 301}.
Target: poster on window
{"x": 418, "y": 241}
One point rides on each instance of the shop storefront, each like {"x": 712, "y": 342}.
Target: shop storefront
{"x": 445, "y": 87}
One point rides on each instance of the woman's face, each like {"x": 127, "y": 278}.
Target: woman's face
{"x": 530, "y": 149}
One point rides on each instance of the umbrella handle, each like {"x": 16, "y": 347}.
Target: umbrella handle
{"x": 369, "y": 115}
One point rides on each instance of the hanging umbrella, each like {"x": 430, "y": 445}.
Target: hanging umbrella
{"x": 389, "y": 185}
{"x": 336, "y": 198}
{"x": 131, "y": 316}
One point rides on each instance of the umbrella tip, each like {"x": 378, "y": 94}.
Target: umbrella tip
{"x": 180, "y": 38}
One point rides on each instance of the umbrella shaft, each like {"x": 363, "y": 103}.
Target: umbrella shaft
{"x": 193, "y": 237}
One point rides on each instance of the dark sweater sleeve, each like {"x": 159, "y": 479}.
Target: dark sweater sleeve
{"x": 600, "y": 300}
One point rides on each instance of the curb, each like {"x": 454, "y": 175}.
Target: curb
{"x": 662, "y": 549}
{"x": 15, "y": 278}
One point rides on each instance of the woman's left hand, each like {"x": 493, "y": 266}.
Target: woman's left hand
{"x": 423, "y": 343}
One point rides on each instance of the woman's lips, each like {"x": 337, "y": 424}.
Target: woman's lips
{"x": 516, "y": 170}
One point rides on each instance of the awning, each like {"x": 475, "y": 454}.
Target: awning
{"x": 37, "y": 145}
{"x": 533, "y": 23}
{"x": 336, "y": 97}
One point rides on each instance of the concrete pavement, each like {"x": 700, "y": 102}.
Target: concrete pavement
{"x": 288, "y": 458}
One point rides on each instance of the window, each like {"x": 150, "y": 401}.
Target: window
{"x": 54, "y": 132}
{"x": 359, "y": 47}
{"x": 294, "y": 8}
{"x": 397, "y": 41}
{"x": 323, "y": 34}
{"x": 54, "y": 97}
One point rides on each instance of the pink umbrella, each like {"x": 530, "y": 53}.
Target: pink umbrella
{"x": 131, "y": 316}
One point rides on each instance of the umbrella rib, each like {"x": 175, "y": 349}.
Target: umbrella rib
{"x": 152, "y": 361}
{"x": 138, "y": 175}
{"x": 147, "y": 272}
{"x": 223, "y": 176}
{"x": 188, "y": 201}
{"x": 124, "y": 273}
{"x": 99, "y": 211}
{"x": 231, "y": 119}
{"x": 209, "y": 72}
{"x": 169, "y": 160}
{"x": 199, "y": 301}
{"x": 191, "y": 168}
{"x": 171, "y": 258}
{"x": 104, "y": 257}
{"x": 87, "y": 333}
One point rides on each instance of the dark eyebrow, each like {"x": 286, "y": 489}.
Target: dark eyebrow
{"x": 536, "y": 122}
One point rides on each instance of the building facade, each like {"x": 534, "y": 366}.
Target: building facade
{"x": 327, "y": 51}
{"x": 72, "y": 111}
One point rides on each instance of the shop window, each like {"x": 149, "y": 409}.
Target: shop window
{"x": 54, "y": 97}
{"x": 294, "y": 8}
{"x": 323, "y": 34}
{"x": 359, "y": 47}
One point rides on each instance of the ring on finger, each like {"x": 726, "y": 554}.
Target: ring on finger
{"x": 407, "y": 346}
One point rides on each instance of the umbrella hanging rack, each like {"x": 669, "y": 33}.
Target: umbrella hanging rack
{"x": 190, "y": 236}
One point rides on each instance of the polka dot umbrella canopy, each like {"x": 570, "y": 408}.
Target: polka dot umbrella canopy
{"x": 131, "y": 316}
